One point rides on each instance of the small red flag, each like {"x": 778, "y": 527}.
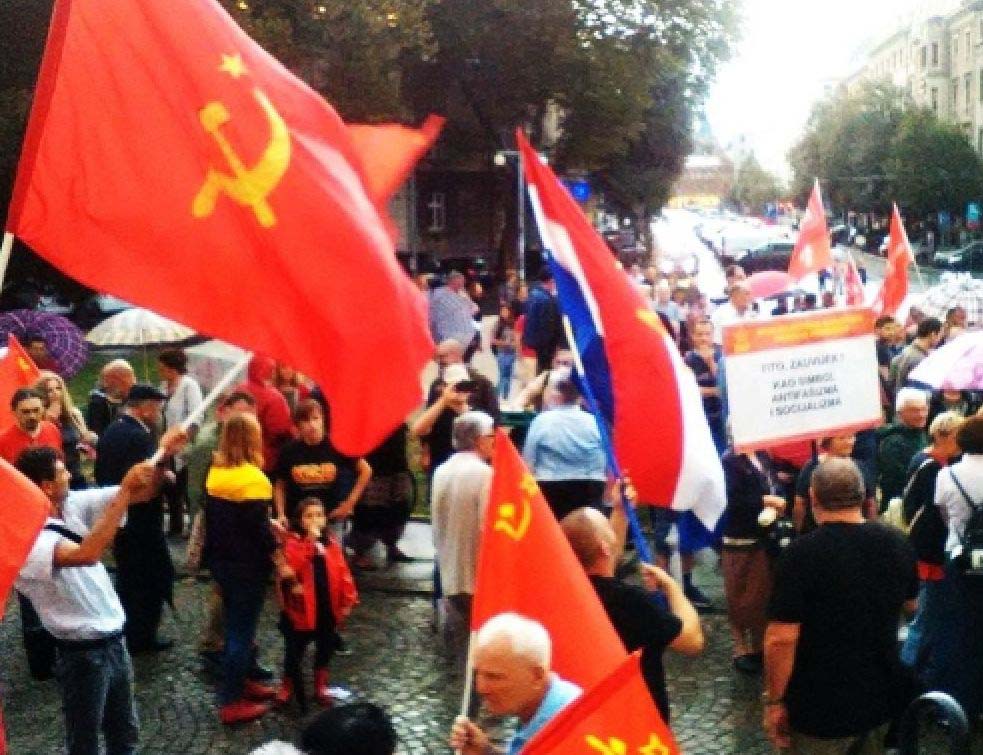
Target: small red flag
{"x": 616, "y": 717}
{"x": 216, "y": 188}
{"x": 853, "y": 285}
{"x": 894, "y": 288}
{"x": 17, "y": 370}
{"x": 23, "y": 511}
{"x": 812, "y": 252}
{"x": 526, "y": 565}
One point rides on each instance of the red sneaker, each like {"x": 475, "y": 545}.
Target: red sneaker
{"x": 253, "y": 690}
{"x": 285, "y": 692}
{"x": 321, "y": 691}
{"x": 241, "y": 710}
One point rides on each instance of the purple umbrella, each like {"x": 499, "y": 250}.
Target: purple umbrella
{"x": 66, "y": 343}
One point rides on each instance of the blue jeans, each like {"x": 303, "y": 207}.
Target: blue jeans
{"x": 506, "y": 363}
{"x": 97, "y": 693}
{"x": 242, "y": 601}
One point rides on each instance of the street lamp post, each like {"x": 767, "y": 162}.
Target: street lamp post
{"x": 501, "y": 157}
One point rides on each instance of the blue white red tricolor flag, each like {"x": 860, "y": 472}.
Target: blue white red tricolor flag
{"x": 647, "y": 395}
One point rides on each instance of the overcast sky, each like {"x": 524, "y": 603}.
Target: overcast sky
{"x": 790, "y": 50}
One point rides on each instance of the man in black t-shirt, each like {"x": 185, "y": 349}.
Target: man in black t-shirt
{"x": 311, "y": 466}
{"x": 833, "y": 676}
{"x": 639, "y": 620}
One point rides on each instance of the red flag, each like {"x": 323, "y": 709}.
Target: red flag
{"x": 388, "y": 153}
{"x": 812, "y": 251}
{"x": 23, "y": 511}
{"x": 644, "y": 389}
{"x": 616, "y": 717}
{"x": 526, "y": 565}
{"x": 17, "y": 370}
{"x": 216, "y": 188}
{"x": 853, "y": 285}
{"x": 894, "y": 288}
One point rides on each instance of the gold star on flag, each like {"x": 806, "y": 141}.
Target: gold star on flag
{"x": 233, "y": 65}
{"x": 654, "y": 747}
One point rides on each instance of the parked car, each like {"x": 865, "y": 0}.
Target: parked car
{"x": 773, "y": 255}
{"x": 969, "y": 257}
{"x": 922, "y": 253}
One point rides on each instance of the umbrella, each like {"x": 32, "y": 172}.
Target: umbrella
{"x": 952, "y": 290}
{"x": 957, "y": 365}
{"x": 768, "y": 283}
{"x": 66, "y": 344}
{"x": 137, "y": 327}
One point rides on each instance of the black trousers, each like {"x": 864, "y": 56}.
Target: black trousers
{"x": 564, "y": 496}
{"x": 295, "y": 645}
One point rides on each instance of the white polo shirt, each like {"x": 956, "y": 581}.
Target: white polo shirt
{"x": 73, "y": 602}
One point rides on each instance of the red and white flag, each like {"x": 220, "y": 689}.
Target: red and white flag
{"x": 812, "y": 251}
{"x": 853, "y": 285}
{"x": 894, "y": 289}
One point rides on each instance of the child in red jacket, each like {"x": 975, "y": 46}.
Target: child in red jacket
{"x": 317, "y": 592}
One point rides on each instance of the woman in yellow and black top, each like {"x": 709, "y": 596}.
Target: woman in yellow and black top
{"x": 238, "y": 550}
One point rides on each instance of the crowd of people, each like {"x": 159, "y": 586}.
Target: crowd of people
{"x": 815, "y": 585}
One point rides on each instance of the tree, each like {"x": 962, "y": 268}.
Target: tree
{"x": 933, "y": 166}
{"x": 754, "y": 186}
{"x": 846, "y": 145}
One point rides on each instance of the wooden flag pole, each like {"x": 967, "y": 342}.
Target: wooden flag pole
{"x": 5, "y": 250}
{"x": 468, "y": 681}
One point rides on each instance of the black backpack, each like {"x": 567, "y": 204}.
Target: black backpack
{"x": 39, "y": 645}
{"x": 926, "y": 529}
{"x": 972, "y": 539}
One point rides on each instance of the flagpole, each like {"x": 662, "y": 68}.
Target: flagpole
{"x": 468, "y": 680}
{"x": 5, "y": 249}
{"x": 211, "y": 398}
{"x": 641, "y": 545}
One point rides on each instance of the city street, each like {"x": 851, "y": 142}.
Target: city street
{"x": 396, "y": 661}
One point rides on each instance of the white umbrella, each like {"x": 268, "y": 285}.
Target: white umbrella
{"x": 952, "y": 290}
{"x": 957, "y": 365}
{"x": 137, "y": 327}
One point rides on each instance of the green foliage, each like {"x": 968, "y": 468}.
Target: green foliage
{"x": 754, "y": 186}
{"x": 933, "y": 166}
{"x": 875, "y": 148}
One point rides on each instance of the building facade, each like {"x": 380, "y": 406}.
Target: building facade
{"x": 938, "y": 61}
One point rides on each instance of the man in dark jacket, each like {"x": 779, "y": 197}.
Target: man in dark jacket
{"x": 145, "y": 574}
{"x": 900, "y": 441}
{"x": 543, "y": 331}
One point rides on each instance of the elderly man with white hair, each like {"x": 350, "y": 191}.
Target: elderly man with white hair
{"x": 737, "y": 308}
{"x": 512, "y": 676}
{"x": 900, "y": 441}
{"x": 458, "y": 497}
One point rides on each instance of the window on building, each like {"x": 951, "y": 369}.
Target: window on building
{"x": 935, "y": 53}
{"x": 438, "y": 211}
{"x": 955, "y": 93}
{"x": 923, "y": 56}
{"x": 981, "y": 85}
{"x": 969, "y": 44}
{"x": 969, "y": 90}
{"x": 935, "y": 100}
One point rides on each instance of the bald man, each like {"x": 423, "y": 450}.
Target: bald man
{"x": 115, "y": 380}
{"x": 640, "y": 621}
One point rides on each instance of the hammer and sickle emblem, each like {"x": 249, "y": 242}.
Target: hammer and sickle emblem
{"x": 612, "y": 747}
{"x": 514, "y": 523}
{"x": 249, "y": 187}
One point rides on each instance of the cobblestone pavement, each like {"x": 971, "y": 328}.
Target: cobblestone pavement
{"x": 396, "y": 662}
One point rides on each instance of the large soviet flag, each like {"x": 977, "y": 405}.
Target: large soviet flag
{"x": 171, "y": 161}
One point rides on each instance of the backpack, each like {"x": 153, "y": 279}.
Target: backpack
{"x": 924, "y": 524}
{"x": 972, "y": 538}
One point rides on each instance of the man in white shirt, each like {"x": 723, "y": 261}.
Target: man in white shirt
{"x": 459, "y": 495}
{"x": 70, "y": 589}
{"x": 737, "y": 309}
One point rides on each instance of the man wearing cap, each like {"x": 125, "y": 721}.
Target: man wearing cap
{"x": 145, "y": 574}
